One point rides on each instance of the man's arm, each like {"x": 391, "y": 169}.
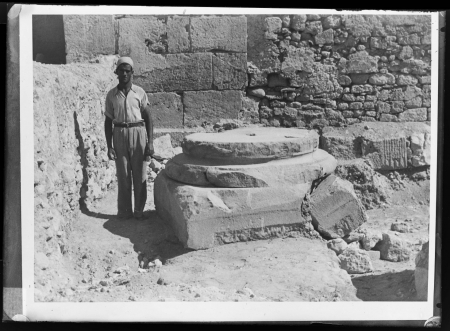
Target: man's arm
{"x": 147, "y": 116}
{"x": 108, "y": 136}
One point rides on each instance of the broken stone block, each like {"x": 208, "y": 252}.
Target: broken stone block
{"x": 229, "y": 71}
{"x": 211, "y": 106}
{"x": 163, "y": 147}
{"x": 246, "y": 144}
{"x": 167, "y": 109}
{"x": 224, "y": 33}
{"x": 298, "y": 22}
{"x": 296, "y": 170}
{"x": 384, "y": 144}
{"x": 203, "y": 217}
{"x": 355, "y": 261}
{"x": 87, "y": 36}
{"x": 335, "y": 209}
{"x": 337, "y": 245}
{"x": 173, "y": 72}
{"x": 421, "y": 273}
{"x": 178, "y": 34}
{"x": 393, "y": 248}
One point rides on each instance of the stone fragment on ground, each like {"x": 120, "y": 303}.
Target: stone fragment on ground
{"x": 337, "y": 245}
{"x": 163, "y": 147}
{"x": 394, "y": 249}
{"x": 421, "y": 272}
{"x": 370, "y": 238}
{"x": 296, "y": 170}
{"x": 355, "y": 261}
{"x": 335, "y": 208}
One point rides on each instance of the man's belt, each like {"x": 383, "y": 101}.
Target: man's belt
{"x": 128, "y": 125}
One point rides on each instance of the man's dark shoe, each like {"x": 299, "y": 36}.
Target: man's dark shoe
{"x": 138, "y": 215}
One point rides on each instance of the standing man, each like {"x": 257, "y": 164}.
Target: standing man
{"x": 130, "y": 143}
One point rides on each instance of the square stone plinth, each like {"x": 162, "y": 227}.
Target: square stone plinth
{"x": 203, "y": 217}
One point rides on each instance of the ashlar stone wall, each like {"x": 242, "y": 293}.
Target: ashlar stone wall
{"x": 283, "y": 70}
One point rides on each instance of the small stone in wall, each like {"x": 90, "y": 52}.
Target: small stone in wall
{"x": 406, "y": 80}
{"x": 257, "y": 92}
{"x": 382, "y": 79}
{"x": 397, "y": 107}
{"x": 314, "y": 27}
{"x": 414, "y": 103}
{"x": 331, "y": 22}
{"x": 298, "y": 22}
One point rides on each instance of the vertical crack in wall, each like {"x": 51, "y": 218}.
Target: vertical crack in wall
{"x": 84, "y": 163}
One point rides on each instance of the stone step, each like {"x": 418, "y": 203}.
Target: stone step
{"x": 251, "y": 143}
{"x": 297, "y": 170}
{"x": 203, "y": 217}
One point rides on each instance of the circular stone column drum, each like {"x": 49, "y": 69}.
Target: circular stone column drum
{"x": 250, "y": 145}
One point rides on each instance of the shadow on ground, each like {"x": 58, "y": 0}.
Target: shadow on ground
{"x": 151, "y": 236}
{"x": 397, "y": 286}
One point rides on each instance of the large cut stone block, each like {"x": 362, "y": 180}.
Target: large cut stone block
{"x": 203, "y": 217}
{"x": 178, "y": 34}
{"x": 230, "y": 71}
{"x": 222, "y": 173}
{"x": 140, "y": 38}
{"x": 87, "y": 36}
{"x": 167, "y": 109}
{"x": 225, "y": 33}
{"x": 386, "y": 145}
{"x": 251, "y": 144}
{"x": 176, "y": 72}
{"x": 211, "y": 106}
{"x": 335, "y": 208}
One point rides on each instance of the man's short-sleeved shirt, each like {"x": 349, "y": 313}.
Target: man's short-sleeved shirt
{"x": 121, "y": 108}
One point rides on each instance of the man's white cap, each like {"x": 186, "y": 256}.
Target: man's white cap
{"x": 125, "y": 59}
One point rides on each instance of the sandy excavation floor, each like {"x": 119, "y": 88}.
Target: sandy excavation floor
{"x": 105, "y": 253}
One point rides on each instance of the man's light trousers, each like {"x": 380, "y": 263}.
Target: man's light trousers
{"x": 131, "y": 167}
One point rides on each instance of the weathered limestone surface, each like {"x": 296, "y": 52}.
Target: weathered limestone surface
{"x": 421, "y": 272}
{"x": 387, "y": 145}
{"x": 87, "y": 36}
{"x": 296, "y": 170}
{"x": 174, "y": 72}
{"x": 251, "y": 143}
{"x": 229, "y": 71}
{"x": 224, "y": 33}
{"x": 167, "y": 109}
{"x": 211, "y": 106}
{"x": 178, "y": 34}
{"x": 203, "y": 217}
{"x": 335, "y": 208}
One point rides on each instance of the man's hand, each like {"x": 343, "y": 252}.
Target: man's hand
{"x": 112, "y": 154}
{"x": 149, "y": 151}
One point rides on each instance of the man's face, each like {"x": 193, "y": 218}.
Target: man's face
{"x": 124, "y": 73}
